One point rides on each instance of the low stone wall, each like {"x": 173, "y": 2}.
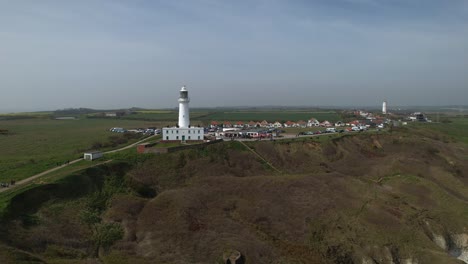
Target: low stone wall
{"x": 179, "y": 148}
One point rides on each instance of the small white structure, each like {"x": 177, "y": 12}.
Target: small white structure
{"x": 183, "y": 132}
{"x": 384, "y": 107}
{"x": 92, "y": 155}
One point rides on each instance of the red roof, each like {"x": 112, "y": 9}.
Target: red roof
{"x": 239, "y": 123}
{"x": 214, "y": 123}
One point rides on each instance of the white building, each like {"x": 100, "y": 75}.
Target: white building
{"x": 92, "y": 155}
{"x": 183, "y": 132}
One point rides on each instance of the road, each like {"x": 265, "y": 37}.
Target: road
{"x": 34, "y": 177}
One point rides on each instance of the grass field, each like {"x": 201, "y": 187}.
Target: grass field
{"x": 162, "y": 115}
{"x": 271, "y": 116}
{"x": 457, "y": 128}
{"x": 230, "y": 115}
{"x": 35, "y": 145}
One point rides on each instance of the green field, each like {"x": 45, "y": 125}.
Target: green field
{"x": 457, "y": 128}
{"x": 161, "y": 115}
{"x": 35, "y": 145}
{"x": 272, "y": 116}
{"x": 206, "y": 115}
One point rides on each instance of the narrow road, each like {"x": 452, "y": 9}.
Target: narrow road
{"x": 34, "y": 177}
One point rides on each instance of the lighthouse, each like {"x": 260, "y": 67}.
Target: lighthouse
{"x": 184, "y": 117}
{"x": 384, "y": 107}
{"x": 183, "y": 131}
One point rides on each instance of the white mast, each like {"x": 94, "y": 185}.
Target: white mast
{"x": 184, "y": 118}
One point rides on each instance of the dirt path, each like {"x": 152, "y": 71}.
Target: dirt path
{"x": 259, "y": 156}
{"x": 34, "y": 177}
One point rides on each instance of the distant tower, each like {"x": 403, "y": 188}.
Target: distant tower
{"x": 184, "y": 118}
{"x": 384, "y": 107}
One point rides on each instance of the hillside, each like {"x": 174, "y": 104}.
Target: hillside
{"x": 394, "y": 197}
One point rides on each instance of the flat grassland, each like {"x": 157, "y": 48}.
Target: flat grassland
{"x": 239, "y": 115}
{"x": 457, "y": 128}
{"x": 272, "y": 116}
{"x": 35, "y": 145}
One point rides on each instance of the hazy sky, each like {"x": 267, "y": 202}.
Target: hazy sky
{"x": 123, "y": 53}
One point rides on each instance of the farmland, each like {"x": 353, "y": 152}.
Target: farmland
{"x": 239, "y": 115}
{"x": 35, "y": 145}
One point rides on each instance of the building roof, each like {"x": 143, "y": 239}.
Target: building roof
{"x": 93, "y": 152}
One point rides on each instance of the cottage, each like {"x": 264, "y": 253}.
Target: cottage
{"x": 239, "y": 124}
{"x": 214, "y": 124}
{"x": 326, "y": 124}
{"x": 301, "y": 124}
{"x": 339, "y": 124}
{"x": 313, "y": 122}
{"x": 264, "y": 123}
{"x": 277, "y": 124}
{"x": 289, "y": 124}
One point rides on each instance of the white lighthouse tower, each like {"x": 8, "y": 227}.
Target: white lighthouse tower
{"x": 184, "y": 117}
{"x": 384, "y": 107}
{"x": 183, "y": 131}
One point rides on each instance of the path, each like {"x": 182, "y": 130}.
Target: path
{"x": 258, "y": 155}
{"x": 34, "y": 177}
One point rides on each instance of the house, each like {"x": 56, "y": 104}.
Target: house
{"x": 289, "y": 124}
{"x": 277, "y": 124}
{"x": 214, "y": 124}
{"x": 418, "y": 116}
{"x": 251, "y": 124}
{"x": 227, "y": 124}
{"x": 301, "y": 123}
{"x": 239, "y": 124}
{"x": 313, "y": 122}
{"x": 326, "y": 123}
{"x": 264, "y": 123}
{"x": 355, "y": 123}
{"x": 339, "y": 124}
{"x": 92, "y": 155}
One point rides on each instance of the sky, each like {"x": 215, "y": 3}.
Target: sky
{"x": 108, "y": 54}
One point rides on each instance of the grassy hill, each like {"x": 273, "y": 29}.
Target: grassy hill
{"x": 400, "y": 196}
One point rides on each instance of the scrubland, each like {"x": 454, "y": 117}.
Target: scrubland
{"x": 391, "y": 197}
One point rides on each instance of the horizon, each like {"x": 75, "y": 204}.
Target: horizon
{"x": 111, "y": 54}
{"x": 456, "y": 108}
